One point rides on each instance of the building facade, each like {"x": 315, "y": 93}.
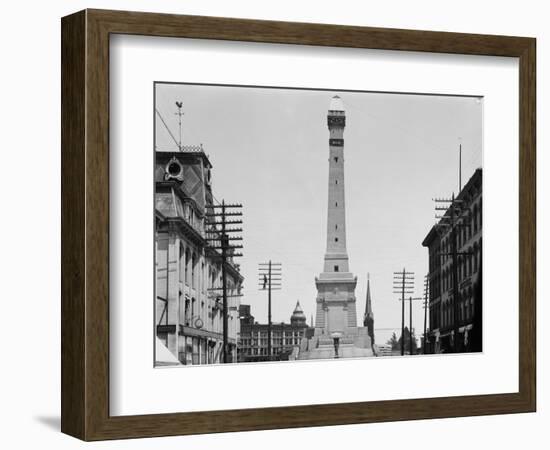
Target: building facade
{"x": 468, "y": 234}
{"x": 287, "y": 338}
{"x": 188, "y": 304}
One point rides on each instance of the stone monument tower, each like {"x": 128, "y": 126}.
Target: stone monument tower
{"x": 336, "y": 311}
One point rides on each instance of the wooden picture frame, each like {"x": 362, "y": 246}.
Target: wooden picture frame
{"x": 85, "y": 224}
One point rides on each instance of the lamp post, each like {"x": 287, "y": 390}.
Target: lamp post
{"x": 336, "y": 339}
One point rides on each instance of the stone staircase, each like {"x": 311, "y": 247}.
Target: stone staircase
{"x": 324, "y": 349}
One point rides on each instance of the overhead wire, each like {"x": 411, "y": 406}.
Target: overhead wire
{"x": 167, "y": 128}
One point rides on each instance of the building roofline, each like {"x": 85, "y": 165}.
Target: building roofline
{"x": 429, "y": 237}
{"x": 478, "y": 174}
{"x": 274, "y": 325}
{"x": 193, "y": 150}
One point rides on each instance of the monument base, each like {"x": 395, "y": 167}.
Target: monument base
{"x": 336, "y": 311}
{"x": 355, "y": 343}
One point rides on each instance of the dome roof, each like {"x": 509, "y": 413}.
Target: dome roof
{"x": 336, "y": 104}
{"x": 298, "y": 314}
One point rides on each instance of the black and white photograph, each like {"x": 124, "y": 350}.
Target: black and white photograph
{"x": 296, "y": 224}
{"x": 267, "y": 225}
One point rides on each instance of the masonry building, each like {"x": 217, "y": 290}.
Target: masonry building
{"x": 468, "y": 234}
{"x": 188, "y": 304}
{"x": 288, "y": 339}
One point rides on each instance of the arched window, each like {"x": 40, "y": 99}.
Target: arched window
{"x": 187, "y": 264}
{"x": 182, "y": 264}
{"x": 193, "y": 271}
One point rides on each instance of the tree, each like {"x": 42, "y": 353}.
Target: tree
{"x": 393, "y": 342}
{"x": 408, "y": 336}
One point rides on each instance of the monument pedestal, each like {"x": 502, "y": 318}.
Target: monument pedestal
{"x": 336, "y": 311}
{"x": 355, "y": 343}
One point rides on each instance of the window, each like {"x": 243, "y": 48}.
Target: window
{"x": 202, "y": 275}
{"x": 336, "y": 159}
{"x": 182, "y": 264}
{"x": 480, "y": 214}
{"x": 193, "y": 267}
{"x": 336, "y": 268}
{"x": 336, "y": 204}
{"x": 336, "y": 181}
{"x": 335, "y": 239}
{"x": 187, "y": 311}
{"x": 187, "y": 264}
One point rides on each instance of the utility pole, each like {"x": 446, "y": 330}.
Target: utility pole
{"x": 450, "y": 220}
{"x": 460, "y": 165}
{"x": 411, "y": 300}
{"x": 220, "y": 237}
{"x": 270, "y": 278}
{"x": 426, "y": 290}
{"x": 410, "y": 325}
{"x": 403, "y": 283}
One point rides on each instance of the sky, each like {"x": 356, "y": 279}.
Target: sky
{"x": 269, "y": 151}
